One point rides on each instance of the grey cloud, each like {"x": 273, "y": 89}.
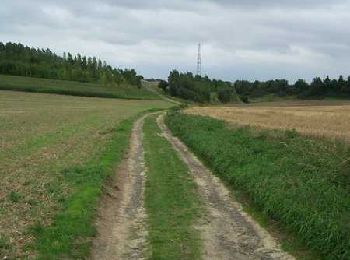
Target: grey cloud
{"x": 241, "y": 39}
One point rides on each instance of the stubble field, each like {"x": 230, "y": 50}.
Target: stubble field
{"x": 44, "y": 139}
{"x": 318, "y": 118}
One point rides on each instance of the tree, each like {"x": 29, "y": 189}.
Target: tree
{"x": 163, "y": 85}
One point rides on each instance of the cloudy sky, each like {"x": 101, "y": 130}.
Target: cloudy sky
{"x": 242, "y": 39}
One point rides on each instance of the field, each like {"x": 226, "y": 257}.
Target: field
{"x": 54, "y": 152}
{"x": 318, "y": 118}
{"x": 73, "y": 88}
{"x": 299, "y": 182}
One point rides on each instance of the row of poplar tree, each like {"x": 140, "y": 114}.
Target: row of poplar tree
{"x": 19, "y": 60}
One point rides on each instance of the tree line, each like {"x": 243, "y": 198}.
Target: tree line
{"x": 204, "y": 90}
{"x": 199, "y": 89}
{"x": 317, "y": 88}
{"x": 19, "y": 60}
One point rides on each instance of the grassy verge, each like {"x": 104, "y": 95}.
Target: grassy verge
{"x": 69, "y": 234}
{"x": 72, "y": 88}
{"x": 302, "y": 183}
{"x": 170, "y": 200}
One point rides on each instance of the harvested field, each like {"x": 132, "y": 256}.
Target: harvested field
{"x": 318, "y": 118}
{"x": 44, "y": 138}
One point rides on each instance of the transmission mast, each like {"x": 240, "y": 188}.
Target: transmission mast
{"x": 199, "y": 61}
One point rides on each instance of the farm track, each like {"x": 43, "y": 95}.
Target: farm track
{"x": 227, "y": 231}
{"x": 121, "y": 220}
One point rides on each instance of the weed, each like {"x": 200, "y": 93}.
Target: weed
{"x": 14, "y": 196}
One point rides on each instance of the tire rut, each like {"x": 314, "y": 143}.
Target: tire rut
{"x": 121, "y": 227}
{"x": 226, "y": 230}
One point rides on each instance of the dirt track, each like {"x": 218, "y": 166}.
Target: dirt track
{"x": 121, "y": 221}
{"x": 226, "y": 231}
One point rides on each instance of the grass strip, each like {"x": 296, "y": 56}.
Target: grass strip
{"x": 300, "y": 182}
{"x": 69, "y": 235}
{"x": 72, "y": 88}
{"x": 171, "y": 200}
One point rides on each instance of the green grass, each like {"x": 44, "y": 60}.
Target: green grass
{"x": 73, "y": 88}
{"x": 171, "y": 200}
{"x": 299, "y": 182}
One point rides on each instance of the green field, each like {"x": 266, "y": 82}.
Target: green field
{"x": 55, "y": 152}
{"x": 302, "y": 183}
{"x": 73, "y": 88}
{"x": 171, "y": 200}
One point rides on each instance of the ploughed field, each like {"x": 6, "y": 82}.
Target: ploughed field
{"x": 318, "y": 118}
{"x": 45, "y": 142}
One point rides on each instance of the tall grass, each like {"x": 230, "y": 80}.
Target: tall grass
{"x": 302, "y": 183}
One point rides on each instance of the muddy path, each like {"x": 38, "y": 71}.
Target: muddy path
{"x": 226, "y": 230}
{"x": 121, "y": 231}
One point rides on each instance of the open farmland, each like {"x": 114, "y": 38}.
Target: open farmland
{"x": 45, "y": 140}
{"x": 74, "y": 88}
{"x": 319, "y": 118}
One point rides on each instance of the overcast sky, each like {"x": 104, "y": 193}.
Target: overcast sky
{"x": 241, "y": 39}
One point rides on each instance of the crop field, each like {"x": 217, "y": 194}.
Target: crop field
{"x": 73, "y": 88}
{"x": 54, "y": 151}
{"x": 319, "y": 118}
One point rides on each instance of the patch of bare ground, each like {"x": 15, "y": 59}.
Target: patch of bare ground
{"x": 227, "y": 231}
{"x": 121, "y": 231}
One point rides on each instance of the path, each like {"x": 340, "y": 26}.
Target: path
{"x": 226, "y": 230}
{"x": 121, "y": 221}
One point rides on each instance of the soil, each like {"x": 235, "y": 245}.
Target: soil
{"x": 121, "y": 231}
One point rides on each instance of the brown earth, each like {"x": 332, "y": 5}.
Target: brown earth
{"x": 121, "y": 221}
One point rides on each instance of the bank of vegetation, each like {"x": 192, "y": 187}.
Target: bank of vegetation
{"x": 318, "y": 88}
{"x": 300, "y": 182}
{"x": 204, "y": 90}
{"x": 19, "y": 60}
{"x": 198, "y": 89}
{"x": 73, "y": 88}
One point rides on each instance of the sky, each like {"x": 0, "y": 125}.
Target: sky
{"x": 241, "y": 39}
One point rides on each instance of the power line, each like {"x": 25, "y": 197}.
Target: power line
{"x": 199, "y": 61}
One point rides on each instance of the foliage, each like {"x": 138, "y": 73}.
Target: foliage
{"x": 200, "y": 89}
{"x": 171, "y": 200}
{"x": 318, "y": 88}
{"x": 163, "y": 85}
{"x": 20, "y": 60}
{"x": 302, "y": 183}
